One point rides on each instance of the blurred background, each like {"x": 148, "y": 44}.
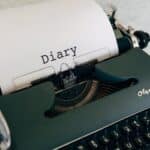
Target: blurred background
{"x": 130, "y": 12}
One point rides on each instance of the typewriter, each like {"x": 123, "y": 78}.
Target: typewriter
{"x": 99, "y": 103}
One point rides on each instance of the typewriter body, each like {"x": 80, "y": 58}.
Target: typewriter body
{"x": 96, "y": 105}
{"x": 30, "y": 129}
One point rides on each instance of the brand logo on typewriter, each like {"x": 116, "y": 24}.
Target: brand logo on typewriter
{"x": 58, "y": 55}
{"x": 143, "y": 92}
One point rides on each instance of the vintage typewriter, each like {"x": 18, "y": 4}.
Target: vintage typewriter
{"x": 101, "y": 103}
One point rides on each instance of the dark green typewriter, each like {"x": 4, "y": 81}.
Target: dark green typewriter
{"x": 103, "y": 106}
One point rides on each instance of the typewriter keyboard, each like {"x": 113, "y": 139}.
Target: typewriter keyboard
{"x": 132, "y": 133}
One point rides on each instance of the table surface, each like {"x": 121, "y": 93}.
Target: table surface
{"x": 132, "y": 12}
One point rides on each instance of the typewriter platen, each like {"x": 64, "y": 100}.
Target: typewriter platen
{"x": 94, "y": 106}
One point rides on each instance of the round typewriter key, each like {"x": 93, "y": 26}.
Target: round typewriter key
{"x": 135, "y": 124}
{"x": 105, "y": 140}
{"x": 93, "y": 144}
{"x": 126, "y": 130}
{"x": 136, "y": 127}
{"x": 128, "y": 146}
{"x": 115, "y": 135}
{"x": 139, "y": 142}
{"x": 147, "y": 135}
{"x": 80, "y": 146}
{"x": 146, "y": 121}
{"x": 145, "y": 118}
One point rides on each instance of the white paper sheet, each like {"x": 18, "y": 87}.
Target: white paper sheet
{"x": 50, "y": 37}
